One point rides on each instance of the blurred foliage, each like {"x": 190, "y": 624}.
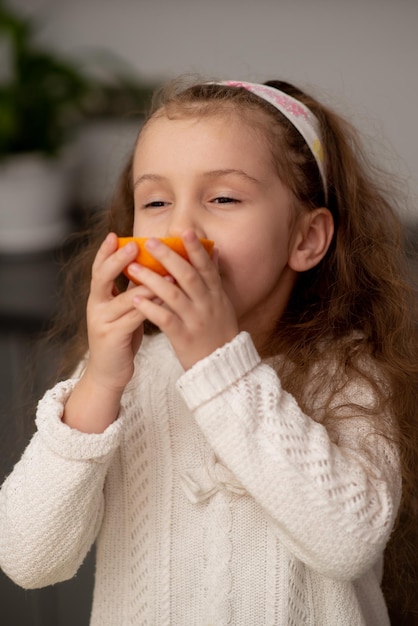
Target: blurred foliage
{"x": 40, "y": 95}
{"x": 119, "y": 91}
{"x": 43, "y": 96}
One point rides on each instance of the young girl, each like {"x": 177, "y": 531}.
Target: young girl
{"x": 239, "y": 437}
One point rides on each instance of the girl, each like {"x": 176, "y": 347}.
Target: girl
{"x": 237, "y": 435}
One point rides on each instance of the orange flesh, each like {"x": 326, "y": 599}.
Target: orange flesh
{"x": 145, "y": 258}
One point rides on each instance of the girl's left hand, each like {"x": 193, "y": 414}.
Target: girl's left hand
{"x": 195, "y": 313}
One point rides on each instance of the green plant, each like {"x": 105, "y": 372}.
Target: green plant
{"x": 120, "y": 92}
{"x": 41, "y": 95}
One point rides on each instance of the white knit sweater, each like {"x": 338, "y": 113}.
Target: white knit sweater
{"x": 213, "y": 498}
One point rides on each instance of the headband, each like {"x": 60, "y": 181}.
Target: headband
{"x": 297, "y": 113}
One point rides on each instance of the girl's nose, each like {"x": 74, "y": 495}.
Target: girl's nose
{"x": 183, "y": 221}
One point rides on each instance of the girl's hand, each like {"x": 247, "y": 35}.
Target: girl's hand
{"x": 114, "y": 324}
{"x": 192, "y": 310}
{"x": 115, "y": 330}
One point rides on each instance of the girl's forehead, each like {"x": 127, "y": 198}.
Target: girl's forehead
{"x": 203, "y": 142}
{"x": 208, "y": 143}
{"x": 232, "y": 121}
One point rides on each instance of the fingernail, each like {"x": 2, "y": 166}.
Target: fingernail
{"x": 134, "y": 269}
{"x": 189, "y": 236}
{"x": 129, "y": 248}
{"x": 152, "y": 243}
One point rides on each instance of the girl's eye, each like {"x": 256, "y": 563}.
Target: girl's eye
{"x": 155, "y": 204}
{"x": 224, "y": 200}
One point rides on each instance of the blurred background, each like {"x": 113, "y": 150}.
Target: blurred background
{"x": 75, "y": 79}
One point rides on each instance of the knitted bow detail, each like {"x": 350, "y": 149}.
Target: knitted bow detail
{"x": 201, "y": 483}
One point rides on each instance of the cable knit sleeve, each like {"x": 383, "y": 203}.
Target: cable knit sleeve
{"x": 333, "y": 500}
{"x": 51, "y": 505}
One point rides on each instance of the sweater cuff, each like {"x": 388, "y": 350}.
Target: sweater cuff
{"x": 68, "y": 442}
{"x": 218, "y": 371}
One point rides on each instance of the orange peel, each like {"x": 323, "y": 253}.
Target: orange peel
{"x": 144, "y": 257}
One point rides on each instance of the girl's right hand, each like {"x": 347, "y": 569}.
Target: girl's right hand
{"x": 115, "y": 331}
{"x": 114, "y": 325}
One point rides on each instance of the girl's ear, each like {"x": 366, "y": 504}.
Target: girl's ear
{"x": 311, "y": 239}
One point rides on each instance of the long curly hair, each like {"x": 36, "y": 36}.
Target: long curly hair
{"x": 359, "y": 301}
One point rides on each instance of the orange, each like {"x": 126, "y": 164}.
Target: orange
{"x": 145, "y": 258}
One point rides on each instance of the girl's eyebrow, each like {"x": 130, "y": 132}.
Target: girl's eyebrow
{"x": 234, "y": 172}
{"x": 145, "y": 177}
{"x": 211, "y": 174}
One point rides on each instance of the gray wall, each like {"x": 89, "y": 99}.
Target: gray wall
{"x": 360, "y": 55}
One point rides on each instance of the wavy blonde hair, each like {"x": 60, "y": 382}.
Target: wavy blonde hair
{"x": 358, "y": 302}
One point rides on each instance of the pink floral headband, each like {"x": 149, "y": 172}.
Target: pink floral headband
{"x": 297, "y": 113}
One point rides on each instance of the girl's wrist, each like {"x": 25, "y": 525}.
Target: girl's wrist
{"x": 92, "y": 406}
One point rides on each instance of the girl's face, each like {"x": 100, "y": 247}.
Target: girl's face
{"x": 215, "y": 175}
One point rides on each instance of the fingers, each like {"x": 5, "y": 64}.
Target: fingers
{"x": 108, "y": 264}
{"x": 194, "y": 276}
{"x": 188, "y": 287}
{"x": 105, "y": 304}
{"x": 200, "y": 259}
{"x": 163, "y": 311}
{"x": 196, "y": 314}
{"x": 122, "y": 303}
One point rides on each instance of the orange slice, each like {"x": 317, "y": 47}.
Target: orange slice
{"x": 145, "y": 258}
